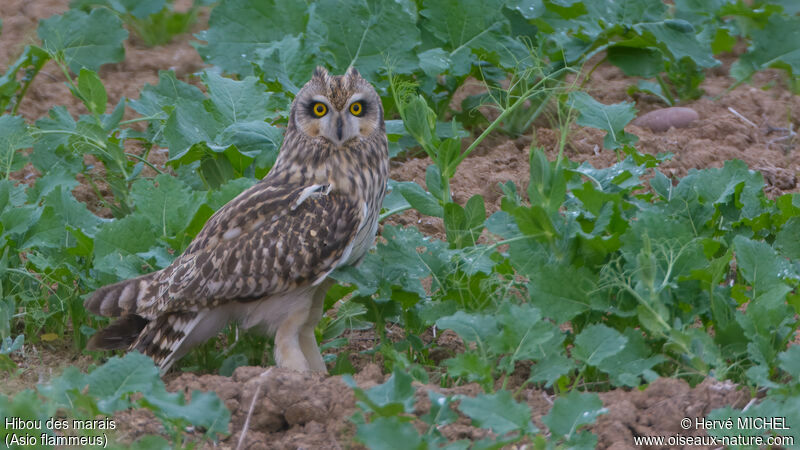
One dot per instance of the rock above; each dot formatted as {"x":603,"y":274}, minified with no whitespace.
{"x":664,"y":119}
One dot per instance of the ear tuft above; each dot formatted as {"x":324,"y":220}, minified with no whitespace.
{"x":352,"y":72}
{"x":320,"y":72}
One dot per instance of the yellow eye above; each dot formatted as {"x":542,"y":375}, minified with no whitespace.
{"x":356,"y":109}
{"x":319,"y":109}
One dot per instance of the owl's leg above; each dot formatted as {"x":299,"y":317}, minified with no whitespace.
{"x":308,"y":342}
{"x":288,"y":352}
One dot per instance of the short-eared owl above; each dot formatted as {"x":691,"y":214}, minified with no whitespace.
{"x":263,"y":259}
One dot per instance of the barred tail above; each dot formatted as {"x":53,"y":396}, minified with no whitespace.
{"x":165,"y":338}
{"x":120,"y":298}
{"x":119,"y":335}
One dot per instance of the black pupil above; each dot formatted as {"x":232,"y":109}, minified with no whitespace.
{"x":319,"y":109}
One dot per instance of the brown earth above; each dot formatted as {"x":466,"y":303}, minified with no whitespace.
{"x":754,"y":122}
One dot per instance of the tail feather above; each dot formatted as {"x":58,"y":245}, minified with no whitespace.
{"x":120,"y":298}
{"x":119,"y":335}
{"x":163,"y":339}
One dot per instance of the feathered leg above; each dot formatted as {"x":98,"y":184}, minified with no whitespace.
{"x":308,"y":342}
{"x":288,"y":352}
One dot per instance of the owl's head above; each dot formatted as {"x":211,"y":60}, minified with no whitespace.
{"x":337,"y":108}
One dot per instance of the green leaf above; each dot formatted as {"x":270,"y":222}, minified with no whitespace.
{"x":206,"y":410}
{"x":391,"y":398}
{"x":237,"y":101}
{"x":112,"y":382}
{"x":419,"y":199}
{"x":237,"y":28}
{"x":611,"y":118}
{"x":290,"y":62}
{"x":84,"y":40}
{"x":470,"y":366}
{"x":551,"y":368}
{"x":463,"y":226}
{"x":597,"y":342}
{"x":397,"y":263}
{"x":760,"y":265}
{"x":634,"y":361}
{"x":166,"y":202}
{"x":465,"y":28}
{"x":92,"y":91}
{"x":786,"y":241}
{"x":571,"y":411}
{"x":790,"y":361}
{"x":440,"y":413}
{"x":776,"y":45}
{"x":51,"y":149}
{"x":562,"y":292}
{"x":367,"y":34}
{"x":471,"y":327}
{"x":13,"y":136}
{"x":523,"y":334}
{"x":498,"y":412}
{"x":61,"y":209}
{"x":679,"y":38}
{"x":636,"y":61}
{"x":390,"y":433}
{"x":137,"y":8}
{"x":123,"y":238}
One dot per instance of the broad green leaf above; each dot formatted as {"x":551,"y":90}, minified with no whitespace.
{"x":636,"y":61}
{"x":127,"y":236}
{"x":625,"y":12}
{"x":419,"y":199}
{"x":440,"y":412}
{"x":51,"y":148}
{"x":137,"y":8}
{"x":390,"y":433}
{"x":498,"y":412}
{"x":391,"y":398}
{"x":167,"y":203}
{"x":572,"y":411}
{"x":237,"y":100}
{"x":206,"y":410}
{"x":464,"y":28}
{"x":92,"y":91}
{"x":551,"y":368}
{"x":597,"y":342}
{"x":679,"y":38}
{"x":84,"y":40}
{"x":115,"y":380}
{"x":471,"y":327}
{"x":634,"y":361}
{"x":562,"y":293}
{"x":470,"y":366}
{"x":611,"y":118}
{"x":238,"y":28}
{"x":760,"y":265}
{"x":61,"y":209}
{"x":463,"y":226}
{"x":524,"y":334}
{"x":776,"y":45}
{"x":786,"y":241}
{"x":369,"y":34}
{"x":398,"y":263}
{"x":289,"y":61}
{"x":790,"y":361}
{"x":14,"y":136}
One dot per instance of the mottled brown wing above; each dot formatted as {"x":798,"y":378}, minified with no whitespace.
{"x":268,"y":240}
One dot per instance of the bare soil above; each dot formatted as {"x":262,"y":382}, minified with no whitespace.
{"x":753,"y":122}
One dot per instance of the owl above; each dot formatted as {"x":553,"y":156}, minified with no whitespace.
{"x":264,"y":258}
